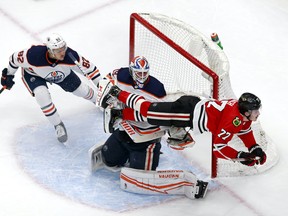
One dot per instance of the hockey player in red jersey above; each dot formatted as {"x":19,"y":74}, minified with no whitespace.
{"x":223,"y":119}
{"x":54,"y":63}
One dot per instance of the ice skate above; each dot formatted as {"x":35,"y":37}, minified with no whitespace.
{"x":61,"y":132}
{"x":202,"y":189}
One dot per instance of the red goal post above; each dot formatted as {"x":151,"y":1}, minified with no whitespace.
{"x":188,"y":62}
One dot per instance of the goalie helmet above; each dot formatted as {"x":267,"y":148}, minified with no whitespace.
{"x":248,"y":101}
{"x":139,"y":70}
{"x":55,"y":41}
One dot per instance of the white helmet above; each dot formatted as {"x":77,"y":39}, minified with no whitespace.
{"x":55,"y":41}
{"x":139,"y":70}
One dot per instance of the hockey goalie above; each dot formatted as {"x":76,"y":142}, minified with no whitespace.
{"x":134,"y":145}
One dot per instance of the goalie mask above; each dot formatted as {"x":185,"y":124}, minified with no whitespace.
{"x":55,"y":44}
{"x":139,"y":70}
{"x":248,"y":102}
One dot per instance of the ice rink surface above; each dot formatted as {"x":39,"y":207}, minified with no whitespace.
{"x":34,"y":167}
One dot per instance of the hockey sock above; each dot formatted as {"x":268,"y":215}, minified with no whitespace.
{"x":132,"y":115}
{"x":135,"y":102}
{"x":48,"y":108}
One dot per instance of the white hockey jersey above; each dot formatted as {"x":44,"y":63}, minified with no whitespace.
{"x":36,"y":61}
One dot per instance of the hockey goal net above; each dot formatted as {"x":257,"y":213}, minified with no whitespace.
{"x":188,"y":62}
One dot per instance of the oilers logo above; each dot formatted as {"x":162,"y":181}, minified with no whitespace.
{"x":55,"y":77}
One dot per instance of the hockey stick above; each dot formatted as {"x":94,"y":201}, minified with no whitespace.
{"x":244,"y":159}
{"x":77,"y":63}
{"x":2,"y":89}
{"x":80,"y":67}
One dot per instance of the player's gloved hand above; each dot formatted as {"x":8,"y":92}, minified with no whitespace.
{"x":258,"y":152}
{"x":7,"y":80}
{"x":249,"y":159}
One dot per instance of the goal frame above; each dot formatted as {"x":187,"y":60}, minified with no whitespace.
{"x":134,"y":17}
{"x":218,"y":79}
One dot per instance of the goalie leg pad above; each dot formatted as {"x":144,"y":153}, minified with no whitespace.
{"x":165,"y":182}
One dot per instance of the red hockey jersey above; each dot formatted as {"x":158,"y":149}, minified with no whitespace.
{"x":223,"y":120}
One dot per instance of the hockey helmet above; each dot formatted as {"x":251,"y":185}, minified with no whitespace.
{"x":55,"y":41}
{"x":139,"y":70}
{"x":248,"y":101}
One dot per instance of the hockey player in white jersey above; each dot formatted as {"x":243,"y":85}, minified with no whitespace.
{"x":55,"y":63}
{"x":134,"y":146}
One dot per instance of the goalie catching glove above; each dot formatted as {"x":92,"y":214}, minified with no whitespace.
{"x":7,"y":80}
{"x":179,"y":138}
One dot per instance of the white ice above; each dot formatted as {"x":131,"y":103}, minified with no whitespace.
{"x":254,"y":36}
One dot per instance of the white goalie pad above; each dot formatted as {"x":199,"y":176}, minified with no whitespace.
{"x":176,"y":182}
{"x":139,"y":136}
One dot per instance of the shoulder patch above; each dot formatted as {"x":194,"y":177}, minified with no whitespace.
{"x":236,"y":121}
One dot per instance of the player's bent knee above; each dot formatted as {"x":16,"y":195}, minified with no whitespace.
{"x":41,"y":91}
{"x":42,"y":95}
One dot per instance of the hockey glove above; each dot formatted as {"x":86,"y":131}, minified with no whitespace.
{"x":258,"y":152}
{"x":248,"y":158}
{"x":7,"y":80}
{"x":179,"y":139}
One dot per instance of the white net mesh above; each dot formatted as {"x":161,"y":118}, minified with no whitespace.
{"x":171,"y":65}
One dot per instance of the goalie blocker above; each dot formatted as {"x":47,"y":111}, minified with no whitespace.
{"x":164,"y":182}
